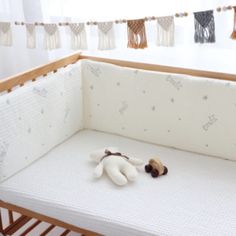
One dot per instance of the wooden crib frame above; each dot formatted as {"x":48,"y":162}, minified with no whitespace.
{"x":8,"y":84}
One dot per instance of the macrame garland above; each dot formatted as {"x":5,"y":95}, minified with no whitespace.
{"x":204,"y":27}
{"x":30,"y":36}
{"x":51,"y":36}
{"x":106,"y":38}
{"x":233,"y":35}
{"x":136,"y":34}
{"x":165,"y":31}
{"x":5,"y":34}
{"x":78,"y":36}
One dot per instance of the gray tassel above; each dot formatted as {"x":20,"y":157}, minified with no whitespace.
{"x":204,"y":27}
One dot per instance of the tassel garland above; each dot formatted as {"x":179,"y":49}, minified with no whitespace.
{"x":51,"y":36}
{"x":30,"y":36}
{"x":204,"y":31}
{"x":106,"y":38}
{"x":5,"y":34}
{"x":204,"y":27}
{"x":78,"y":36}
{"x":233,"y":35}
{"x":165,"y":31}
{"x":136,"y":34}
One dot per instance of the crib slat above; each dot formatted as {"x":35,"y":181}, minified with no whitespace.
{"x":1,"y":224}
{"x":45,"y":232}
{"x":10,"y":216}
{"x":30,"y":228}
{"x":11,"y":229}
{"x":65,"y":232}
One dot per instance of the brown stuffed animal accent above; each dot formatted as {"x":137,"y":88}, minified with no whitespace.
{"x":156,"y":168}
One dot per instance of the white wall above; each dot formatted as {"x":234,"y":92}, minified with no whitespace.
{"x":12,"y":58}
{"x":17,"y":58}
{"x":219,"y":56}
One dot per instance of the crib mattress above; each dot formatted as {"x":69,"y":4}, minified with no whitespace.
{"x":197,"y":197}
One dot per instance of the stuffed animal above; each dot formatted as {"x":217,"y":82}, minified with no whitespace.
{"x":156,"y":168}
{"x":118,"y":167}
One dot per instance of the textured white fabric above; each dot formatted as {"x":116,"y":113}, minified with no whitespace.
{"x":165,"y":31}
{"x":189,"y":113}
{"x":5,"y":34}
{"x":196,"y":197}
{"x":38,"y":116}
{"x":51,"y":37}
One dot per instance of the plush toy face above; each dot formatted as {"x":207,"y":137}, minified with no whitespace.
{"x":119,"y":168}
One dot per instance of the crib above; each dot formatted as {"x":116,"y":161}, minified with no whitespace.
{"x":184,"y":116}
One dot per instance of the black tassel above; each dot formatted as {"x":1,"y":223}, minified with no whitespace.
{"x":204,"y":27}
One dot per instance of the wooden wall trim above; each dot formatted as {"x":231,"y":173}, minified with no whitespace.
{"x":32,"y":74}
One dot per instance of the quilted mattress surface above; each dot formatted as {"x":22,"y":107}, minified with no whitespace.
{"x":196,"y":198}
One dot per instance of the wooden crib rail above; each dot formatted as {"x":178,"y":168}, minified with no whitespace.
{"x":27,"y":215}
{"x":162,"y":68}
{"x":32,"y":74}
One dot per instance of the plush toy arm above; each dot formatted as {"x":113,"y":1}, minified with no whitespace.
{"x":98,"y":170}
{"x":135,"y":161}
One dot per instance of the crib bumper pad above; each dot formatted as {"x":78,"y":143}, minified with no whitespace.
{"x":37,"y":117}
{"x":186,"y":112}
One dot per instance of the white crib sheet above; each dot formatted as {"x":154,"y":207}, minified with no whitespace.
{"x":197,"y":197}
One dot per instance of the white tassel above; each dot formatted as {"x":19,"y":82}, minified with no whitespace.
{"x":30,"y":35}
{"x":78,"y":36}
{"x":165,"y":31}
{"x":106,"y":38}
{"x":51,"y":36}
{"x":5,"y":34}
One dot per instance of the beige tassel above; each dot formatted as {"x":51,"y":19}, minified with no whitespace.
{"x":106,"y":39}
{"x":78,"y":36}
{"x":5,"y":34}
{"x":30,"y":35}
{"x":51,"y":37}
{"x":136,"y":34}
{"x":233,"y":35}
{"x":165,"y":31}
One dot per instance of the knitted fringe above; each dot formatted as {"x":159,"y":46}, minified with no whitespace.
{"x":204,"y":27}
{"x":106,"y":38}
{"x":30,"y":36}
{"x":136,"y":34}
{"x":78,"y":36}
{"x":51,"y":37}
{"x":165,"y":31}
{"x":5,"y":34}
{"x":233,"y":35}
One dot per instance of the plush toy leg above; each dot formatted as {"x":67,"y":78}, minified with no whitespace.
{"x":129,"y":171}
{"x":116,"y":176}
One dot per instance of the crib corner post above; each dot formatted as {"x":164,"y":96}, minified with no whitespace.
{"x":1,"y":224}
